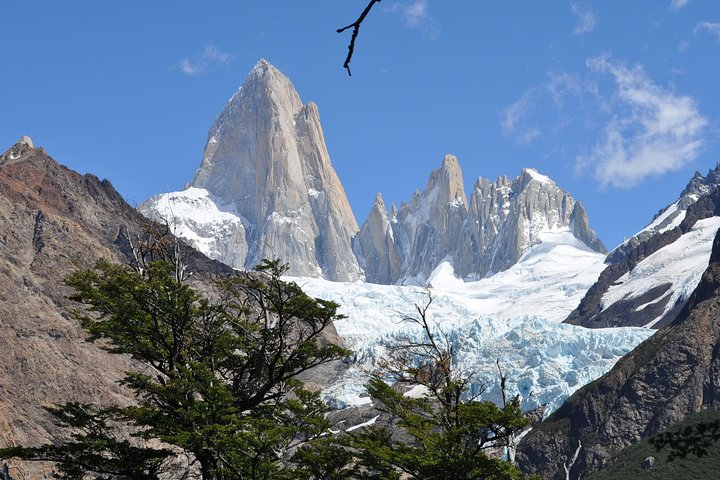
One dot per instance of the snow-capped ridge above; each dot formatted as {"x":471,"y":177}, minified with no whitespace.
{"x":487,"y":232}
{"x":672,"y":215}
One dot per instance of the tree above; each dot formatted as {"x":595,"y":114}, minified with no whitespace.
{"x":438,"y":429}
{"x":219,"y":377}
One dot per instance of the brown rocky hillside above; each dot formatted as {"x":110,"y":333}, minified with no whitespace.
{"x":671,"y":375}
{"x":54,"y":221}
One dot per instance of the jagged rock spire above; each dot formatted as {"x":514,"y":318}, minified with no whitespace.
{"x":266,"y":158}
{"x":487,"y":233}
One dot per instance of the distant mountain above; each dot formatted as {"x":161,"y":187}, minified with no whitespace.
{"x":266,"y":187}
{"x":651,"y":275}
{"x":674,"y":373}
{"x":487,"y":234}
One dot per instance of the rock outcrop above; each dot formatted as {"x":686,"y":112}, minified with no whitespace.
{"x":484,"y":234}
{"x":674,"y":373}
{"x":266,"y":163}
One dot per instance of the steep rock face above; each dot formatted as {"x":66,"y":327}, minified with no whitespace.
{"x":375,"y":246}
{"x":674,"y":373}
{"x":431,"y":227}
{"x":54,"y":221}
{"x":266,"y":161}
{"x":651,"y":275}
{"x":488,"y":234}
{"x":535,"y":204}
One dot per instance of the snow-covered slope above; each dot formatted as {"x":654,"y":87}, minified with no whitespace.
{"x":203,"y":220}
{"x":512,"y":316}
{"x":650,"y":275}
{"x":678,"y":266}
{"x":672,"y":215}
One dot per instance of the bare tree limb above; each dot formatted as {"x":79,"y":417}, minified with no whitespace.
{"x":356,"y":29}
{"x":503,"y":381}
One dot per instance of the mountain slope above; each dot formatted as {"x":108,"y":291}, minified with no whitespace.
{"x":54,"y":221}
{"x":266,"y":164}
{"x":674,"y":373}
{"x":650,"y":276}
{"x":513,"y":316}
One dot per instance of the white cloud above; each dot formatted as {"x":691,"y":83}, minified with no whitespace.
{"x":586,"y":18}
{"x":710,"y":27}
{"x":514,"y":116}
{"x":562,"y":85}
{"x":200,"y":63}
{"x":678,"y":4}
{"x":416,"y":14}
{"x":652,"y":130}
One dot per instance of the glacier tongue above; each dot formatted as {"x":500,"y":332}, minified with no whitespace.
{"x":512,"y":316}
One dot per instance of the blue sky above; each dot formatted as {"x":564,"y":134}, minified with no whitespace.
{"x":615,"y":100}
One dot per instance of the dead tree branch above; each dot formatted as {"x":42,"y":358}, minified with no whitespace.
{"x":356,"y":29}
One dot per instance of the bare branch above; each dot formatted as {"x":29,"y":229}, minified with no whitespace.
{"x":356,"y":29}
{"x":503,"y":381}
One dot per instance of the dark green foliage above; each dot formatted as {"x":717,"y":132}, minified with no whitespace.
{"x":669,"y":465}
{"x":695,"y":439}
{"x":446,"y":440}
{"x":94,"y":450}
{"x":220,"y":376}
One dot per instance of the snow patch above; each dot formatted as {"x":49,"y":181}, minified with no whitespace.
{"x":680,"y":264}
{"x":365,"y":424}
{"x":538,"y":176}
{"x":418,"y":391}
{"x":199,"y":218}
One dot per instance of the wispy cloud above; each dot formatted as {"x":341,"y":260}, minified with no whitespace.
{"x":416,"y":14}
{"x":585,"y":16}
{"x":678,"y":4}
{"x":561,"y":85}
{"x":198,"y":64}
{"x":709,"y":27}
{"x":652,"y":130}
{"x":513,"y":118}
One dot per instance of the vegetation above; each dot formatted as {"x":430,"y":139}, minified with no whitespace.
{"x":438,"y":430}
{"x":220,"y":377}
{"x":218,"y":394}
{"x":670,"y":461}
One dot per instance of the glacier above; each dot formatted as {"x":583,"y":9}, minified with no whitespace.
{"x":513,"y":316}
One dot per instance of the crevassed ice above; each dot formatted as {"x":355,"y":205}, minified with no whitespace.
{"x":512,"y":316}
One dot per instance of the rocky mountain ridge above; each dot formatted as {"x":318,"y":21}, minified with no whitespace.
{"x":674,"y":373}
{"x":483,"y":235}
{"x":266,"y":188}
{"x":651,"y":275}
{"x":54,"y":221}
